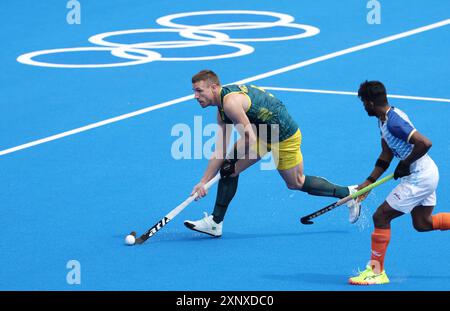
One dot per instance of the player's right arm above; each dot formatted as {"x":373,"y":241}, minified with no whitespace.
{"x":381,"y":165}
{"x":217,"y":158}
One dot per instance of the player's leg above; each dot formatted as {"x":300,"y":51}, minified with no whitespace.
{"x":404,"y":198}
{"x":226,"y":190}
{"x":421,"y":218}
{"x":425,"y":192}
{"x":314,"y":185}
{"x":289,"y":161}
{"x":400,"y":201}
{"x":293,"y":177}
{"x":384,"y":215}
{"x":381,"y":236}
{"x":228,"y":186}
{"x":424,"y":221}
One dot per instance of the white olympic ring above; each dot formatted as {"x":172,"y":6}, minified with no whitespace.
{"x":201,"y":35}
{"x":122,"y":49}
{"x":243,"y":50}
{"x":28,"y":58}
{"x":99,"y":39}
{"x":283,"y":20}
{"x":309,"y":32}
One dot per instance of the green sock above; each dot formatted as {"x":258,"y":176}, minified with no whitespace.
{"x":321,"y":187}
{"x":225,"y":192}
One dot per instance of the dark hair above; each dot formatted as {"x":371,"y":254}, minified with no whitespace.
{"x":373,"y":91}
{"x":206,"y":75}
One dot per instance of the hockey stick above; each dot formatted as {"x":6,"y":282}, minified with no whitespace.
{"x":307,"y":219}
{"x":171,"y":215}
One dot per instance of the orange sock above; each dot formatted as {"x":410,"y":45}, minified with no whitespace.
{"x":441,"y":221}
{"x":380,"y":241}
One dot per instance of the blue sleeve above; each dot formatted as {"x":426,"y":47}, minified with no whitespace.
{"x":399,"y":127}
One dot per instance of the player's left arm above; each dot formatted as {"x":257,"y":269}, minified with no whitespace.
{"x":233,"y":106}
{"x":421,"y":146}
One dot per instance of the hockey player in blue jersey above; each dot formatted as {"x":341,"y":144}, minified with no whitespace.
{"x":418,"y":175}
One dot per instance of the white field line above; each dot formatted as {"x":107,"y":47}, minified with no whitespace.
{"x":95,"y":125}
{"x":247,"y":80}
{"x":286,"y":89}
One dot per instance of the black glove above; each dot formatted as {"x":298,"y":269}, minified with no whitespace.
{"x":228,"y":168}
{"x":401,"y":170}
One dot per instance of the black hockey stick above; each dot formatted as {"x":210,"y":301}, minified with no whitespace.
{"x":307,"y":219}
{"x":171,"y":215}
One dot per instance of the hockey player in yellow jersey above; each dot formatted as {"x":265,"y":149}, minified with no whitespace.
{"x":249,"y":108}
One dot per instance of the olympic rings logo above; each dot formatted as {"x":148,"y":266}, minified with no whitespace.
{"x":197,"y":35}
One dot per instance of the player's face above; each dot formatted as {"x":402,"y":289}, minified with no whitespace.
{"x":204,"y":93}
{"x":369,"y":107}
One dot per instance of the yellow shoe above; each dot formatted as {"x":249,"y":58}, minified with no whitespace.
{"x":368,"y":277}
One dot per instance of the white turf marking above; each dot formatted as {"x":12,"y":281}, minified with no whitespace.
{"x":97,"y":124}
{"x":273,"y":88}
{"x":247,"y":80}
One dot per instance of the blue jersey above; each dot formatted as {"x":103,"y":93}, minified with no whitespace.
{"x":396,"y":131}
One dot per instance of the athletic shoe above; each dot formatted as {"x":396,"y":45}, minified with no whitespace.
{"x":354,"y":207}
{"x":368,"y":277}
{"x":205,"y":225}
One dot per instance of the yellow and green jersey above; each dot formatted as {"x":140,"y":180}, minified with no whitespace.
{"x":264,"y":109}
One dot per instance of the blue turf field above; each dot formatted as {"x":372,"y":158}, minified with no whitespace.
{"x":76,"y":197}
